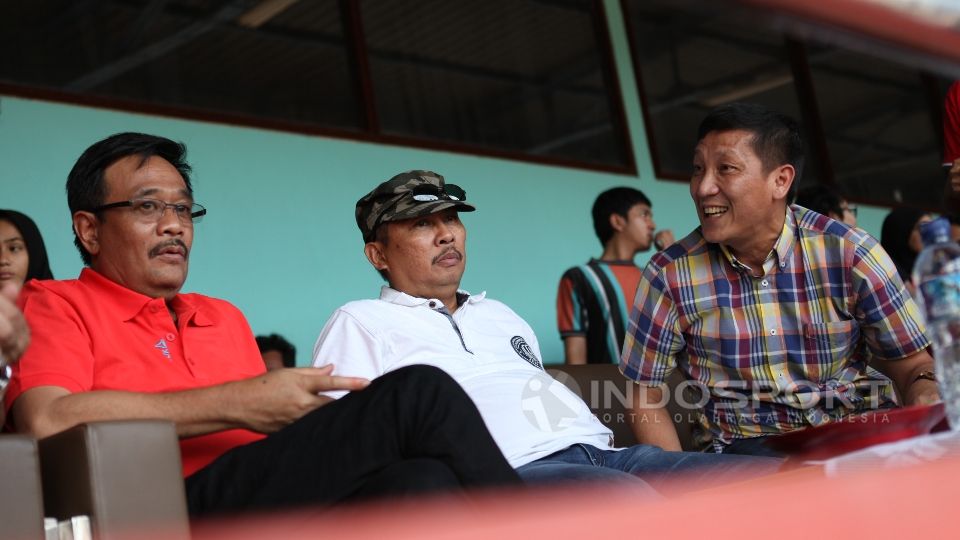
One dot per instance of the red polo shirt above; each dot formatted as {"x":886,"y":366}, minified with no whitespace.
{"x":94,"y":334}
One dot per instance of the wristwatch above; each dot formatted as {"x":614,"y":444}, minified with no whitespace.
{"x":928,"y":375}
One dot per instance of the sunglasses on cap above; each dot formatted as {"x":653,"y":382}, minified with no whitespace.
{"x":431,"y":192}
{"x":423,"y":193}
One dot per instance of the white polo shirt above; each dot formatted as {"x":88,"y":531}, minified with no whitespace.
{"x":484,"y":346}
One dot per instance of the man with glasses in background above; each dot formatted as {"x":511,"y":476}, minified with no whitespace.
{"x":122,"y":342}
{"x":828,"y":202}
{"x":594,"y":299}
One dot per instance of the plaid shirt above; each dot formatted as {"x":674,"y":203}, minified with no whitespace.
{"x":782,"y":351}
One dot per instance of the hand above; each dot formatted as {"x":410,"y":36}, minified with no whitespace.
{"x":277,"y":398}
{"x":14,"y":332}
{"x":954,"y":177}
{"x":663,"y":238}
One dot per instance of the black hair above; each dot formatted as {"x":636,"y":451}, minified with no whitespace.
{"x":86,"y":187}
{"x":822,"y":199}
{"x":38,"y":266}
{"x":276,"y":342}
{"x":776,"y":137}
{"x":619,"y":201}
{"x":895,"y":238}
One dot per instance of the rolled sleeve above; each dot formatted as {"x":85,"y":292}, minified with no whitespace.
{"x":890,"y":320}
{"x":653,"y":337}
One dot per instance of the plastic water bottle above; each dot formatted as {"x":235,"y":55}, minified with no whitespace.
{"x":937,"y":276}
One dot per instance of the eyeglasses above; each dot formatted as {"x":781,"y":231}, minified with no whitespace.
{"x":430,"y":192}
{"x":153,"y":209}
{"x":852,"y":208}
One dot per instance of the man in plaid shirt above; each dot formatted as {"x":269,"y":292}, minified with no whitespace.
{"x":781,"y":315}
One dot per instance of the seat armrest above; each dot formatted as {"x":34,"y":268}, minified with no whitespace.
{"x":21,"y":503}
{"x":125,"y":475}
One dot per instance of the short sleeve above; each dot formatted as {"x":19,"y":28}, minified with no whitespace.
{"x":352,"y":349}
{"x":60,"y":352}
{"x":569,"y":306}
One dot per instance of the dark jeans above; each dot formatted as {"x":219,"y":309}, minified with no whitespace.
{"x":642,"y":466}
{"x":412,"y":430}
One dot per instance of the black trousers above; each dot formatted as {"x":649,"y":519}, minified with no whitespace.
{"x":412,"y":430}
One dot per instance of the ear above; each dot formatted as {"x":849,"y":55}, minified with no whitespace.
{"x":783,"y":179}
{"x":87,"y":228}
{"x":617,"y":222}
{"x":374,"y":252}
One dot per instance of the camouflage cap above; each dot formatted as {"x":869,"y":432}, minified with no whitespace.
{"x":407,"y":195}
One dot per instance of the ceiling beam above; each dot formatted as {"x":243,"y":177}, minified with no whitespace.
{"x":154,"y":50}
{"x":139,"y":27}
{"x":263,"y":12}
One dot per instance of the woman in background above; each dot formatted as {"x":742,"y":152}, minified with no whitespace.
{"x":23,"y":255}
{"x":900,"y":238}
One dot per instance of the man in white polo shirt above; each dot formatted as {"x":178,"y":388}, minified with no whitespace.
{"x":415,"y":239}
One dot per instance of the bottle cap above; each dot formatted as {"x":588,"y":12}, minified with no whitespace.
{"x":935,"y":232}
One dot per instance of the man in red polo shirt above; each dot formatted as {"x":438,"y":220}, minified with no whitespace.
{"x":122,"y":342}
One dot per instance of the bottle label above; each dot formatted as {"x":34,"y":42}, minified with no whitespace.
{"x":941,"y":296}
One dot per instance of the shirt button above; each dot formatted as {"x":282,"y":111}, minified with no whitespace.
{"x":764,"y":283}
{"x":782,"y":264}
{"x":773,"y":332}
{"x":432,"y":304}
{"x":171,"y":337}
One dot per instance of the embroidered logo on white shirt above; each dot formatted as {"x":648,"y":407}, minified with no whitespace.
{"x":520,"y":346}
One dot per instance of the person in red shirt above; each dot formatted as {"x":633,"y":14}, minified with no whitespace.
{"x":122,"y":342}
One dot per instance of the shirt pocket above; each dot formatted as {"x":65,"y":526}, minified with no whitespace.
{"x":828,"y":348}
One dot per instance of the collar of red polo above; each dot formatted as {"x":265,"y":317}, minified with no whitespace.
{"x":131,"y":303}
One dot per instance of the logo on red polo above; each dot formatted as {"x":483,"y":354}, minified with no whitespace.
{"x":162,"y":345}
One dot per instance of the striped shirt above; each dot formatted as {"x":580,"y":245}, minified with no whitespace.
{"x":782,"y":351}
{"x":593,"y":300}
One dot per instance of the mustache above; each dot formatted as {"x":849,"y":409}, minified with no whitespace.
{"x":156,"y":250}
{"x":448,"y":250}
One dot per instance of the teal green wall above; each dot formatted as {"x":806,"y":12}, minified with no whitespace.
{"x":280,"y":241}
